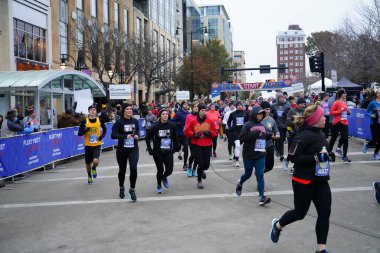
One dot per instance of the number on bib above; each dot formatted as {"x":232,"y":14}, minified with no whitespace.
{"x":260,"y":145}
{"x":129,"y":142}
{"x":93,"y":138}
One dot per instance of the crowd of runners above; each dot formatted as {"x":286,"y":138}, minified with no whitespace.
{"x":257,"y":129}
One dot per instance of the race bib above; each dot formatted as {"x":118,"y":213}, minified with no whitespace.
{"x":327,"y":111}
{"x":280,"y":113}
{"x":240,"y":121}
{"x":260,"y":145}
{"x":129,"y":128}
{"x":343,"y":115}
{"x":166,"y":143}
{"x":322,"y":169}
{"x":148,"y":124}
{"x":129,"y":142}
{"x":93,"y":138}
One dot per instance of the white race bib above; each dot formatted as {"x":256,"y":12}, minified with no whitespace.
{"x":260,"y":145}
{"x":93,"y":138}
{"x":166,"y":143}
{"x":343,"y":115}
{"x":240,"y":121}
{"x":280,"y":113}
{"x":327,"y":111}
{"x":129,"y":142}
{"x":129,"y":128}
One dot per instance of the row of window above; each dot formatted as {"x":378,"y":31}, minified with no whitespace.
{"x":292,"y":63}
{"x":29,"y":41}
{"x":294,"y":70}
{"x":292,"y":51}
{"x":287,"y":58}
{"x":291,"y":39}
{"x":296,"y":45}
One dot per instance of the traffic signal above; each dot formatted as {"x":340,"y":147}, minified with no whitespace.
{"x":316,"y":64}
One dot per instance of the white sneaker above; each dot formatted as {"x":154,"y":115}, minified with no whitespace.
{"x":285,"y":164}
{"x":237,"y":164}
{"x":291,"y":171}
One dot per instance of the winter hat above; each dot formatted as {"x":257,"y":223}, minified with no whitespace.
{"x":265,"y":104}
{"x":201,"y":106}
{"x":182,"y":103}
{"x":10,"y":114}
{"x":279,"y":95}
{"x":301,"y":101}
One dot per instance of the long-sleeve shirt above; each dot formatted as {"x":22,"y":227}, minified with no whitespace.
{"x":124,"y":127}
{"x":340,"y":111}
{"x":163,"y":136}
{"x":82,"y":128}
{"x":227,"y":116}
{"x":373,"y":107}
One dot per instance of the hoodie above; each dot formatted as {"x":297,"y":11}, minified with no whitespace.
{"x":254,"y":136}
{"x":179,"y":121}
{"x":279,"y":113}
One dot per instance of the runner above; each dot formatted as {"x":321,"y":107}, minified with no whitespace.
{"x":214,"y":116}
{"x":125,"y":131}
{"x":271,"y":127}
{"x":192,"y":170}
{"x":94,"y":131}
{"x":179,"y":122}
{"x":230,"y":139}
{"x":373,"y":111}
{"x":325,"y":106}
{"x":163,"y":135}
{"x":201,"y":130}
{"x":150,"y":119}
{"x":340,"y":124}
{"x":310,"y":176}
{"x":235,"y":123}
{"x":254,"y":136}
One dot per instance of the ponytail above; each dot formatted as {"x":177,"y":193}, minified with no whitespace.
{"x":299,"y":120}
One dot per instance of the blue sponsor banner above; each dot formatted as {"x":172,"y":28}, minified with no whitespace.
{"x":359,"y":124}
{"x":27,"y":152}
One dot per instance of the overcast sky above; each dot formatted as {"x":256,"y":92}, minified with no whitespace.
{"x":255,"y":24}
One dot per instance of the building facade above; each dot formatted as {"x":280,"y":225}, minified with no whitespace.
{"x":217,"y":21}
{"x":291,"y":52}
{"x":239,"y":60}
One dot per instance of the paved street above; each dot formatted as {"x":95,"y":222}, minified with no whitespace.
{"x":56,"y":211}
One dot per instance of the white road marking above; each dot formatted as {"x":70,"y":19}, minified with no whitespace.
{"x":174,"y":173}
{"x":167,"y":198}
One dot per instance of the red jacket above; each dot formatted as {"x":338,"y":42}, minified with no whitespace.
{"x":195,"y":127}
{"x":214,"y":116}
{"x":336,"y":111}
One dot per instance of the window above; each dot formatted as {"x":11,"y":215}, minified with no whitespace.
{"x":281,"y":51}
{"x":281,"y":46}
{"x":297,"y":70}
{"x":285,"y":51}
{"x":296,"y":64}
{"x":290,"y":51}
{"x":291,"y":63}
{"x":116,"y":16}
{"x":63,"y":25}
{"x":290,"y":45}
{"x":162,"y":43}
{"x":30,"y":41}
{"x":93,"y":8}
{"x":296,"y":51}
{"x":281,"y":58}
{"x":212,"y":10}
{"x":301,"y":57}
{"x":79,"y":4}
{"x":301,"y":70}
{"x":285,"y":58}
{"x":301,"y":64}
{"x":138,"y":29}
{"x":301,"y":51}
{"x":296,"y":45}
{"x":296,"y":57}
{"x":105,"y":11}
{"x":286,"y":46}
{"x":291,"y":57}
{"x":126,"y":22}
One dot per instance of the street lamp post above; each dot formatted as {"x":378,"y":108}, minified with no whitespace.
{"x":63,"y":65}
{"x":204,"y":28}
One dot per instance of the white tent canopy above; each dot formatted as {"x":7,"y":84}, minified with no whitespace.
{"x":317,"y":86}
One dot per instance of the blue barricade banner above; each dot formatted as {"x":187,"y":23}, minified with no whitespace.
{"x":27,"y":152}
{"x":359,"y":124}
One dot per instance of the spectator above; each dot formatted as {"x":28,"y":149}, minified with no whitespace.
{"x":15,"y":126}
{"x":104,"y":116}
{"x":68,"y":119}
{"x":32,"y":118}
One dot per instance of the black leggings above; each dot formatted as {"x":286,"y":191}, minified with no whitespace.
{"x":163,"y":159}
{"x":185,"y":143}
{"x":214,"y":143}
{"x":202,"y":156}
{"x":191,"y":160}
{"x":280,"y":142}
{"x":319,"y":192}
{"x":376,"y":137}
{"x":122,"y":155}
{"x":343,"y":130}
{"x":269,"y":159}
{"x":231,"y":143}
{"x":327,"y":126}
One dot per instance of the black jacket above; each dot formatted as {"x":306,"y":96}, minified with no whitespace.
{"x":122,"y":128}
{"x":161,"y":131}
{"x":235,"y":122}
{"x":307,"y":143}
{"x":252,"y":133}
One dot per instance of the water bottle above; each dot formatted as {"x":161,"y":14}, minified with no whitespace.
{"x":323,"y":153}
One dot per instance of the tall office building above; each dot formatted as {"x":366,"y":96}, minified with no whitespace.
{"x":291,"y":52}
{"x":217,"y":21}
{"x":239,"y":60}
{"x":191,"y":30}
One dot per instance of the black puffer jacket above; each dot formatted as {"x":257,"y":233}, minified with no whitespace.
{"x":308,"y":142}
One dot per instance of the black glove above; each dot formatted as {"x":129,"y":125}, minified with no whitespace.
{"x":196,"y":135}
{"x":332,"y":157}
{"x":325,"y":157}
{"x":207,"y":133}
{"x":100,"y":138}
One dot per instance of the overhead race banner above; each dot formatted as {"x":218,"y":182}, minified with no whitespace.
{"x":120,"y":91}
{"x":217,"y":88}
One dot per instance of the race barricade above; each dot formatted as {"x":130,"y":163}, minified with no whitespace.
{"x":359,"y":124}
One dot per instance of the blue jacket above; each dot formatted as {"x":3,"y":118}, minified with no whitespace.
{"x":179,"y":121}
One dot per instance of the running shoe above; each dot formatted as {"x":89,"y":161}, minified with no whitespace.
{"x":237,"y":164}
{"x":132,"y":195}
{"x":203,"y":175}
{"x":230,"y":158}
{"x":376,"y":157}
{"x":376,"y":187}
{"x":214,"y":154}
{"x":365,"y":147}
{"x":184,"y":168}
{"x":274,"y":233}
{"x":158,"y":190}
{"x":94,"y":174}
{"x":200,"y":185}
{"x":121,"y":193}
{"x":225,"y":139}
{"x":285,"y":164}
{"x":291,"y":171}
{"x":166,"y":182}
{"x":281,"y":158}
{"x":339,"y":151}
{"x":189,"y":172}
{"x":239,"y":188}
{"x":179,"y":157}
{"x":195,"y":173}
{"x":346,"y":159}
{"x":89,"y":180}
{"x":264,"y":200}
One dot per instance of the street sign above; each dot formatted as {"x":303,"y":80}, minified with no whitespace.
{"x":264,"y":69}
{"x":183,"y":95}
{"x":120,"y":91}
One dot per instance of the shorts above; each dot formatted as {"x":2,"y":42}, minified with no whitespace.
{"x":91,"y":153}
